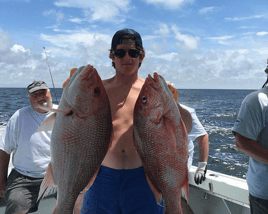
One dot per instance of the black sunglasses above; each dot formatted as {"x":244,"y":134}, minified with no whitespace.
{"x":120,"y":53}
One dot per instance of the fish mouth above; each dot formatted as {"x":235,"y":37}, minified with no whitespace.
{"x":85,"y":72}
{"x":88,"y":72}
{"x":85,"y":83}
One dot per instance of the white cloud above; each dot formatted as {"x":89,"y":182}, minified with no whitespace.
{"x":244,"y":18}
{"x":263,"y":33}
{"x":163,"y":30}
{"x":58,"y":15}
{"x":101,"y":10}
{"x":5,"y":42}
{"x":76,"y":20}
{"x":185,"y":41}
{"x":170,"y":4}
{"x":220,"y":38}
{"x":73,"y":38}
{"x":206,"y":10}
{"x":18,"y":48}
{"x":247,"y":27}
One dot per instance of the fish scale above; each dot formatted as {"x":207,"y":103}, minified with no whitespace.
{"x":161,"y":141}
{"x":80,"y":138}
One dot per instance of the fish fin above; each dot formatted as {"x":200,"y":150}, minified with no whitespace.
{"x":48,"y":123}
{"x":157,"y":194}
{"x":48,"y":186}
{"x":55,"y":110}
{"x":91,"y":181}
{"x":185,"y":189}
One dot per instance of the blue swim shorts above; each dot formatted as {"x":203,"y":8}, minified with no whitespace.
{"x":120,"y":191}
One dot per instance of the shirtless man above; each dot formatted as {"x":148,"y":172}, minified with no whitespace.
{"x":121,"y":186}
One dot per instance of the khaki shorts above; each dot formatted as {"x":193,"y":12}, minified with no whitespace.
{"x":21,"y":193}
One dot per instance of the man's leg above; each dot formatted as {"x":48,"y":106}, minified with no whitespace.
{"x":21,"y":193}
{"x":102,"y":196}
{"x":257,"y":205}
{"x":136,"y":195}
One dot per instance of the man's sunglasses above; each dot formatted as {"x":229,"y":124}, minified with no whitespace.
{"x":120,"y":53}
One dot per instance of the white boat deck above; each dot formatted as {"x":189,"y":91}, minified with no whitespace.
{"x":218,"y":194}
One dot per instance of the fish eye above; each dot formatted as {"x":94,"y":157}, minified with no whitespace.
{"x":144,"y":99}
{"x":97,"y":90}
{"x":70,"y":113}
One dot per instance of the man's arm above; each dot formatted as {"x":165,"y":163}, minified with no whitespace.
{"x":186,"y":117}
{"x":203,"y":147}
{"x":252,"y":148}
{"x":4,"y":157}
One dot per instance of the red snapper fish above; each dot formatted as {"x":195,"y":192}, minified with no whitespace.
{"x":161,"y":142}
{"x":82,"y":129}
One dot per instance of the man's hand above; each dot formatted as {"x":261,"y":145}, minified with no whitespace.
{"x":200,"y":174}
{"x":4,"y":161}
{"x":2,"y":189}
{"x":73,"y":70}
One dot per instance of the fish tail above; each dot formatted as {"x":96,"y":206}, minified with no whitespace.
{"x":48,"y":186}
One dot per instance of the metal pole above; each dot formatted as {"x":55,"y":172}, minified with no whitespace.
{"x":51,"y":76}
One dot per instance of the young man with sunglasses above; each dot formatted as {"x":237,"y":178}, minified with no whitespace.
{"x":121,"y":185}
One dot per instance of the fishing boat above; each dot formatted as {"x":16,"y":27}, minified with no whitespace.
{"x":218,"y":194}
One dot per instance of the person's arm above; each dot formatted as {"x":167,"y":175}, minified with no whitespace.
{"x":252,"y":148}
{"x":203,"y":148}
{"x":4,"y":157}
{"x":186,"y":117}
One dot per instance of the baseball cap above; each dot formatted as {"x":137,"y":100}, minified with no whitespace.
{"x":117,"y":38}
{"x":36,"y":85}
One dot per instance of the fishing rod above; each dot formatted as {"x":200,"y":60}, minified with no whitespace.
{"x":51,"y":76}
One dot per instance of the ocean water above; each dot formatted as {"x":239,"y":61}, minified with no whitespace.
{"x":216,"y":109}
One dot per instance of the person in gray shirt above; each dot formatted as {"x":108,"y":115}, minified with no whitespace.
{"x":251,"y":132}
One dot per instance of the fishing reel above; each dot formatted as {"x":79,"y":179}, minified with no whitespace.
{"x":266,"y":70}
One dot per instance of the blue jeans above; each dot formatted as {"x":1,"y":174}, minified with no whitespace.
{"x":120,"y":191}
{"x":258,"y":205}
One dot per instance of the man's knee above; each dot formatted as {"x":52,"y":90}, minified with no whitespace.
{"x":15,"y":203}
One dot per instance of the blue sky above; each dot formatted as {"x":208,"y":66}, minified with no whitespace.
{"x":195,"y":44}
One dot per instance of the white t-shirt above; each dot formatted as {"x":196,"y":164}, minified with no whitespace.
{"x":197,"y":131}
{"x":252,"y":123}
{"x":31,"y":149}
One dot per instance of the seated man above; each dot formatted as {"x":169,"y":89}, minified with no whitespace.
{"x":31,"y":152}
